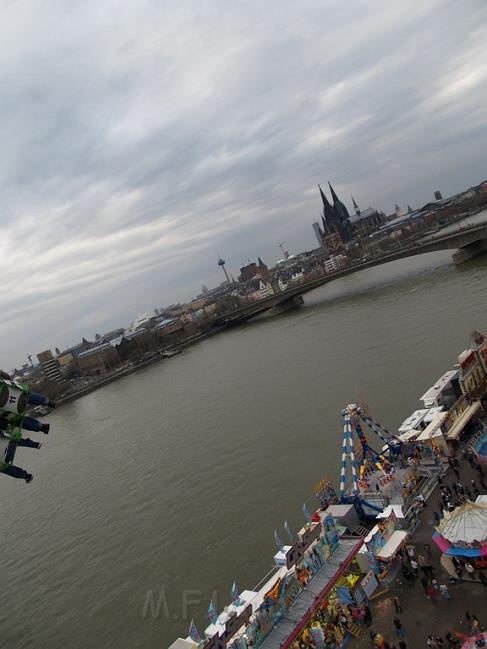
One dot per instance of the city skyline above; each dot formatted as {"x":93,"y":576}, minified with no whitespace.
{"x":135,"y":151}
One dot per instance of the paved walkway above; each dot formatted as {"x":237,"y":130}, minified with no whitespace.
{"x":420,"y":617}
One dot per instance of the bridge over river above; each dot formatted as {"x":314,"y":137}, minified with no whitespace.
{"x":467,"y":242}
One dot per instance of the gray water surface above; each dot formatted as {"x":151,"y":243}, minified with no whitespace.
{"x":174,"y":478}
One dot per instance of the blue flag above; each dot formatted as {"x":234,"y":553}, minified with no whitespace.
{"x":234,"y":593}
{"x":212,"y":614}
{"x":193,"y":633}
{"x":307,"y":513}
{"x":279,"y":543}
{"x":288,"y":531}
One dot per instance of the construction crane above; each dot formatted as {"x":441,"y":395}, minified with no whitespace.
{"x":285,"y":253}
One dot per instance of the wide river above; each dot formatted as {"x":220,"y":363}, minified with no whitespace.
{"x":166,"y":486}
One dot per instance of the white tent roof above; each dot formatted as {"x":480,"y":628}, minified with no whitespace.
{"x":396,"y":509}
{"x":465,"y":524}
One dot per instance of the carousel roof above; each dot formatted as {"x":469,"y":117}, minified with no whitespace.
{"x":465,"y":524}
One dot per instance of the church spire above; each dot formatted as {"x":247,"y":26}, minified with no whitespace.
{"x":328,"y":211}
{"x":336,"y":200}
{"x":326,"y":204}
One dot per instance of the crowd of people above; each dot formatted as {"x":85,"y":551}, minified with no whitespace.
{"x":417,"y":567}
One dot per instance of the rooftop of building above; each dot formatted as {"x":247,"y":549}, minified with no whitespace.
{"x":364,"y":214}
{"x":432,"y":394}
{"x":95,"y":350}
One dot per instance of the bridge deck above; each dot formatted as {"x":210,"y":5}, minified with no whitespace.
{"x":452,"y":241}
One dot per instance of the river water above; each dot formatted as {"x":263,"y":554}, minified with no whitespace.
{"x":169,"y":483}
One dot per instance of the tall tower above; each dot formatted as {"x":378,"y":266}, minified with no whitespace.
{"x":343,"y":217}
{"x":221,"y":262}
{"x":328,"y":211}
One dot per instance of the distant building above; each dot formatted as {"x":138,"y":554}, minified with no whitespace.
{"x":472,"y":376}
{"x":337,"y":228}
{"x":438,"y":196}
{"x":365,"y":222}
{"x":98,"y":360}
{"x":111,"y":335}
{"x":318,"y":234}
{"x":77,"y":349}
{"x":260,"y":289}
{"x":68,"y":364}
{"x":140,"y":321}
{"x":50,"y":366}
{"x":340,"y":228}
{"x":253,"y":270}
{"x":335,"y":263}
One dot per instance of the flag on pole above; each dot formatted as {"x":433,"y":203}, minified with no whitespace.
{"x":307,"y":513}
{"x":193,"y":633}
{"x":212,"y":614}
{"x":288,"y":531}
{"x":236,"y":601}
{"x":279,"y":543}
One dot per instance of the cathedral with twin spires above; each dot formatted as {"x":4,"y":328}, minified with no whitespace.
{"x":338,"y":228}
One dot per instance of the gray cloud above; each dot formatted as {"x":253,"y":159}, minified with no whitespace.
{"x":141,"y":140}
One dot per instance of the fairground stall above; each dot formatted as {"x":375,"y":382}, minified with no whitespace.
{"x":381,"y":546}
{"x":314,"y":574}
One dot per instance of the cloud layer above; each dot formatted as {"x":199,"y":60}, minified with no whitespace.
{"x":142,"y":139}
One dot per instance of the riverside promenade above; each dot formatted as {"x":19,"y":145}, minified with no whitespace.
{"x":420,"y":617}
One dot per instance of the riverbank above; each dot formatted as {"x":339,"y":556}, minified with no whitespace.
{"x":129,"y":472}
{"x":114,"y":376}
{"x":119,"y":374}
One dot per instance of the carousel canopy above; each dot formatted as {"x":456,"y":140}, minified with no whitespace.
{"x":465,"y":524}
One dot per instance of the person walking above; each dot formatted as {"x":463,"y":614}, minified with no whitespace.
{"x":443,"y":588}
{"x":431,"y":641}
{"x":367,"y":615}
{"x":470,"y":569}
{"x":379,"y":641}
{"x":414,"y":566}
{"x":399,"y":627}
{"x":427,"y":549}
{"x":431,"y":594}
{"x":397,"y":604}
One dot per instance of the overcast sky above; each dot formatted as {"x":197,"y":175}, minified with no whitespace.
{"x":141,"y":139}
